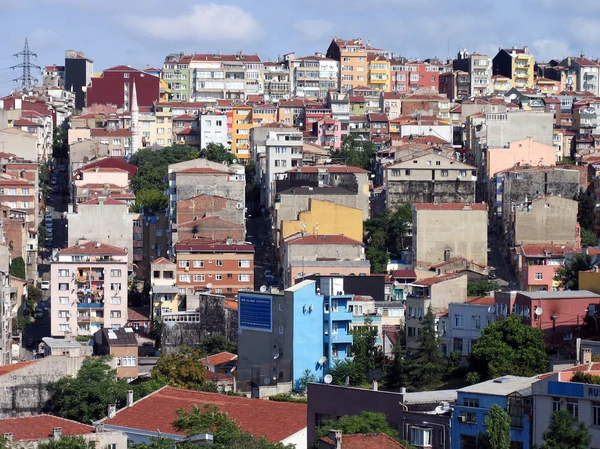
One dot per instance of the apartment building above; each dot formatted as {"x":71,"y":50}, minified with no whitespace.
{"x":6,"y":307}
{"x":240,"y":131}
{"x":114,"y":86}
{"x":213,"y":129}
{"x":312,"y":77}
{"x":88,"y":289}
{"x":122,"y":345}
{"x":163,"y":292}
{"x":517,"y":64}
{"x":118,"y":141}
{"x":586,"y":74}
{"x":407,"y":76}
{"x":353,"y":64}
{"x":378,"y":72}
{"x":479,"y":70}
{"x":276,"y":81}
{"x":176,"y":73}
{"x":223,"y":267}
{"x":20,"y":194}
{"x":283,"y":151}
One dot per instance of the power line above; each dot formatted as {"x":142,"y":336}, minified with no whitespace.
{"x":27,"y":80}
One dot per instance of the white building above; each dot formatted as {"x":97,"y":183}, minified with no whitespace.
{"x":213,"y":129}
{"x":283,"y":152}
{"x":88,"y":289}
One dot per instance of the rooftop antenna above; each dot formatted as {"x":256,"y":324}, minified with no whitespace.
{"x":27,"y":80}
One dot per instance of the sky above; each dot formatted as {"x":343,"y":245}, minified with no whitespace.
{"x":141,"y":32}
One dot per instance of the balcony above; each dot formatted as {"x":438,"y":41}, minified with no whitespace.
{"x":341,"y":337}
{"x":329,"y":130}
{"x":90,"y":305}
{"x":341,"y":316}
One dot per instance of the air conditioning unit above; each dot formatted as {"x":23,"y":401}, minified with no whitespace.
{"x":239,"y":205}
{"x":462,"y":419}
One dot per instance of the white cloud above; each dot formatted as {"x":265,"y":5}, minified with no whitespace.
{"x":315,"y":30}
{"x":547,"y":49}
{"x":203,"y":23}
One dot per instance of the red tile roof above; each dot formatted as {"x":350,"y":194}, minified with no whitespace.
{"x":15,"y":366}
{"x":231,"y":304}
{"x":480,"y":300}
{"x":40,"y":427}
{"x":138,"y":314}
{"x":217,"y":377}
{"x":228,"y":58}
{"x":437,"y":279}
{"x":585,"y":62}
{"x":325,"y":240}
{"x":24,"y":122}
{"x":219,"y":359}
{"x":365,"y":441}
{"x":456,"y":259}
{"x":207,"y":245}
{"x":253,"y":415}
{"x":107,"y":202}
{"x":373,"y":117}
{"x":101,"y":132}
{"x":188,"y":132}
{"x":544,"y":249}
{"x":202,"y":170}
{"x":94,"y":248}
{"x":110,"y":162}
{"x":404,"y":274}
{"x":450,"y":206}
{"x":329,"y":168}
{"x":162,"y":261}
{"x":185,"y":118}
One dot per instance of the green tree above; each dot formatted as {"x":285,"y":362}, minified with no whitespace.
{"x":366,"y":422}
{"x":306,"y":378}
{"x":376,"y":252}
{"x":218,"y":343}
{"x":482,"y":287}
{"x":17,"y":268}
{"x":396,"y":373}
{"x":567,"y":274}
{"x":156,"y":330}
{"x":356,"y":153}
{"x":508,"y":347}
{"x":564,"y":432}
{"x":216,"y":152}
{"x":151,"y":200}
{"x":225,"y":431}
{"x":347,"y":368}
{"x":66,"y":442}
{"x":34,"y":293}
{"x":394,"y":225}
{"x":427,"y":366}
{"x":586,"y":215}
{"x":364,"y":349}
{"x":85,"y":398}
{"x":497,"y":430}
{"x":182,"y":369}
{"x":588,"y":238}
{"x":42,"y":235}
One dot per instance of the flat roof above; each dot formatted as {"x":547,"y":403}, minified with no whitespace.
{"x":429,"y":397}
{"x":565,"y":294}
{"x":61,"y":342}
{"x":501,"y":386}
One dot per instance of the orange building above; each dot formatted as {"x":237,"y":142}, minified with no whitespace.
{"x":352,"y":57}
{"x":241,"y":125}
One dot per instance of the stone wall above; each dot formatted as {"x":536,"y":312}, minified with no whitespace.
{"x":402,"y":192}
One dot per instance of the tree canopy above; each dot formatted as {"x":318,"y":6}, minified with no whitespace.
{"x":17,"y":268}
{"x":564,"y":432}
{"x":182,"y":369}
{"x":396,"y":372}
{"x":427,"y":364}
{"x":586,"y":215}
{"x":216,"y":152}
{"x":152,"y":200}
{"x":218,"y":343}
{"x":588,"y":237}
{"x":366,"y":422}
{"x":497,"y":430}
{"x":384,"y":236}
{"x":508,"y":347}
{"x":482,"y":287}
{"x":356,"y":153}
{"x":567,"y":274}
{"x":66,"y":442}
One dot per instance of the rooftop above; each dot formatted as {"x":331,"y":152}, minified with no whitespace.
{"x":253,"y":415}
{"x":501,"y":386}
{"x":6,"y":369}
{"x":327,"y":168}
{"x":545,"y":249}
{"x":40,"y":427}
{"x":437,"y":279}
{"x":119,"y":337}
{"x":480,"y":300}
{"x":93,"y":248}
{"x":220,"y":358}
{"x":207,"y":245}
{"x":404,"y":274}
{"x":324,"y":240}
{"x":565,"y":294}
{"x":60,"y":343}
{"x":365,"y":441}
{"x":450,"y":206}
{"x":110,"y":162}
{"x":138,"y":313}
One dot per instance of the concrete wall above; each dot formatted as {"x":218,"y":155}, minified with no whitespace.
{"x":19,"y":143}
{"x":520,"y":125}
{"x":24,"y":391}
{"x":526,"y":151}
{"x":84,"y":151}
{"x":90,"y":223}
{"x":462,"y":232}
{"x":549,"y":219}
{"x":209,"y":206}
{"x":77,"y":134}
{"x":291,"y":204}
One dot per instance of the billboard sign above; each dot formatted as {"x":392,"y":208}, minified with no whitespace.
{"x":255,"y":312}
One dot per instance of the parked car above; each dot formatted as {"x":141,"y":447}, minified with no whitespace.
{"x":45,"y":285}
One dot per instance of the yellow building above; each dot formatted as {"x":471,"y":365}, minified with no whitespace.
{"x":263,"y":114}
{"x":590,"y":280}
{"x":379,"y":72}
{"x":240,"y":131}
{"x":164,"y":292}
{"x":352,"y":57}
{"x":326,"y":218}
{"x":517,"y":64}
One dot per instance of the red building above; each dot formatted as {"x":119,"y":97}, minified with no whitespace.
{"x":560,"y":315}
{"x":410,"y":75}
{"x":115,"y":87}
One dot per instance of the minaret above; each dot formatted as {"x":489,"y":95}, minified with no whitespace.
{"x":135,"y":130}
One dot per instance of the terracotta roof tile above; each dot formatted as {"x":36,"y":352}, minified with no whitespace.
{"x":404,"y":274}
{"x":41,"y":426}
{"x":110,"y":162}
{"x":138,"y":314}
{"x":480,"y":300}
{"x":15,"y":366}
{"x":544,"y":249}
{"x":219,"y":359}
{"x":24,"y":122}
{"x":162,"y":261}
{"x":251,"y":414}
{"x":208,"y":245}
{"x":101,"y":132}
{"x":329,"y":168}
{"x":94,"y":248}
{"x":202,"y":170}
{"x":437,"y":279}
{"x":366,"y":441}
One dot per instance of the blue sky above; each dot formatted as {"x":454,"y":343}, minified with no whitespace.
{"x":142,"y":32}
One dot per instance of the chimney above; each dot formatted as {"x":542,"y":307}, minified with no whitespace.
{"x":374,"y":385}
{"x":402,"y":390}
{"x":99,"y":427}
{"x":347,"y":381}
{"x":526,"y":49}
{"x":57,"y":433}
{"x":112,"y":410}
{"x":336,"y":437}
{"x":129,"y":398}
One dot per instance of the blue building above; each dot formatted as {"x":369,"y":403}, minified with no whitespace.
{"x":512,"y":393}
{"x":282,"y":335}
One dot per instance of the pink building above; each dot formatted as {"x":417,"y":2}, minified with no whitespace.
{"x":537,"y":264}
{"x":329,"y":133}
{"x":524,"y":152}
{"x":88,"y":289}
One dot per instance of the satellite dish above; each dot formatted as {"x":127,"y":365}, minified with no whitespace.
{"x":263,"y":288}
{"x":209,"y":285}
{"x":267,"y":380}
{"x":322,"y":360}
{"x":513,"y":96}
{"x":328,"y":379}
{"x":491,"y":309}
{"x":539,"y":311}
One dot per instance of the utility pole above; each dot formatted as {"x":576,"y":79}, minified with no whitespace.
{"x":27,"y":80}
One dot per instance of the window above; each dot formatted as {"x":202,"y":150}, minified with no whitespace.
{"x":407,"y":172}
{"x":199,"y":278}
{"x":125,"y":75}
{"x":167,"y":275}
{"x":184,"y":264}
{"x":115,"y":286}
{"x":334,"y":305}
{"x":476,"y":322}
{"x":444,"y":173}
{"x":243,"y":278}
{"x":116,"y":300}
{"x":414,"y":77}
{"x":25,"y":191}
{"x":468,"y":442}
{"x":218,"y":290}
{"x":458,"y":345}
{"x":184,"y":278}
{"x":198,"y":264}
{"x":218,"y":277}
{"x":596,"y":413}
{"x":219,"y":263}
{"x":555,"y":404}
{"x":63,"y":273}
{"x":116,"y":142}
{"x":63,"y":287}
{"x":63,"y":300}
{"x":115,"y":273}
{"x":334,"y":327}
{"x":326,"y":308}
{"x":471,"y":402}
{"x":462,"y":173}
{"x":243,"y":264}
{"x":63,"y":314}
{"x":538,"y":276}
{"x":64,"y":328}
{"x":129,"y":361}
{"x":458,"y":320}
{"x":420,"y":436}
{"x":573,"y":408}
{"x":12,"y":191}
{"x":470,"y":417}
{"x":115,"y":314}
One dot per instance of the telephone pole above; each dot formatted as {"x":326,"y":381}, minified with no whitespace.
{"x":27,"y":80}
